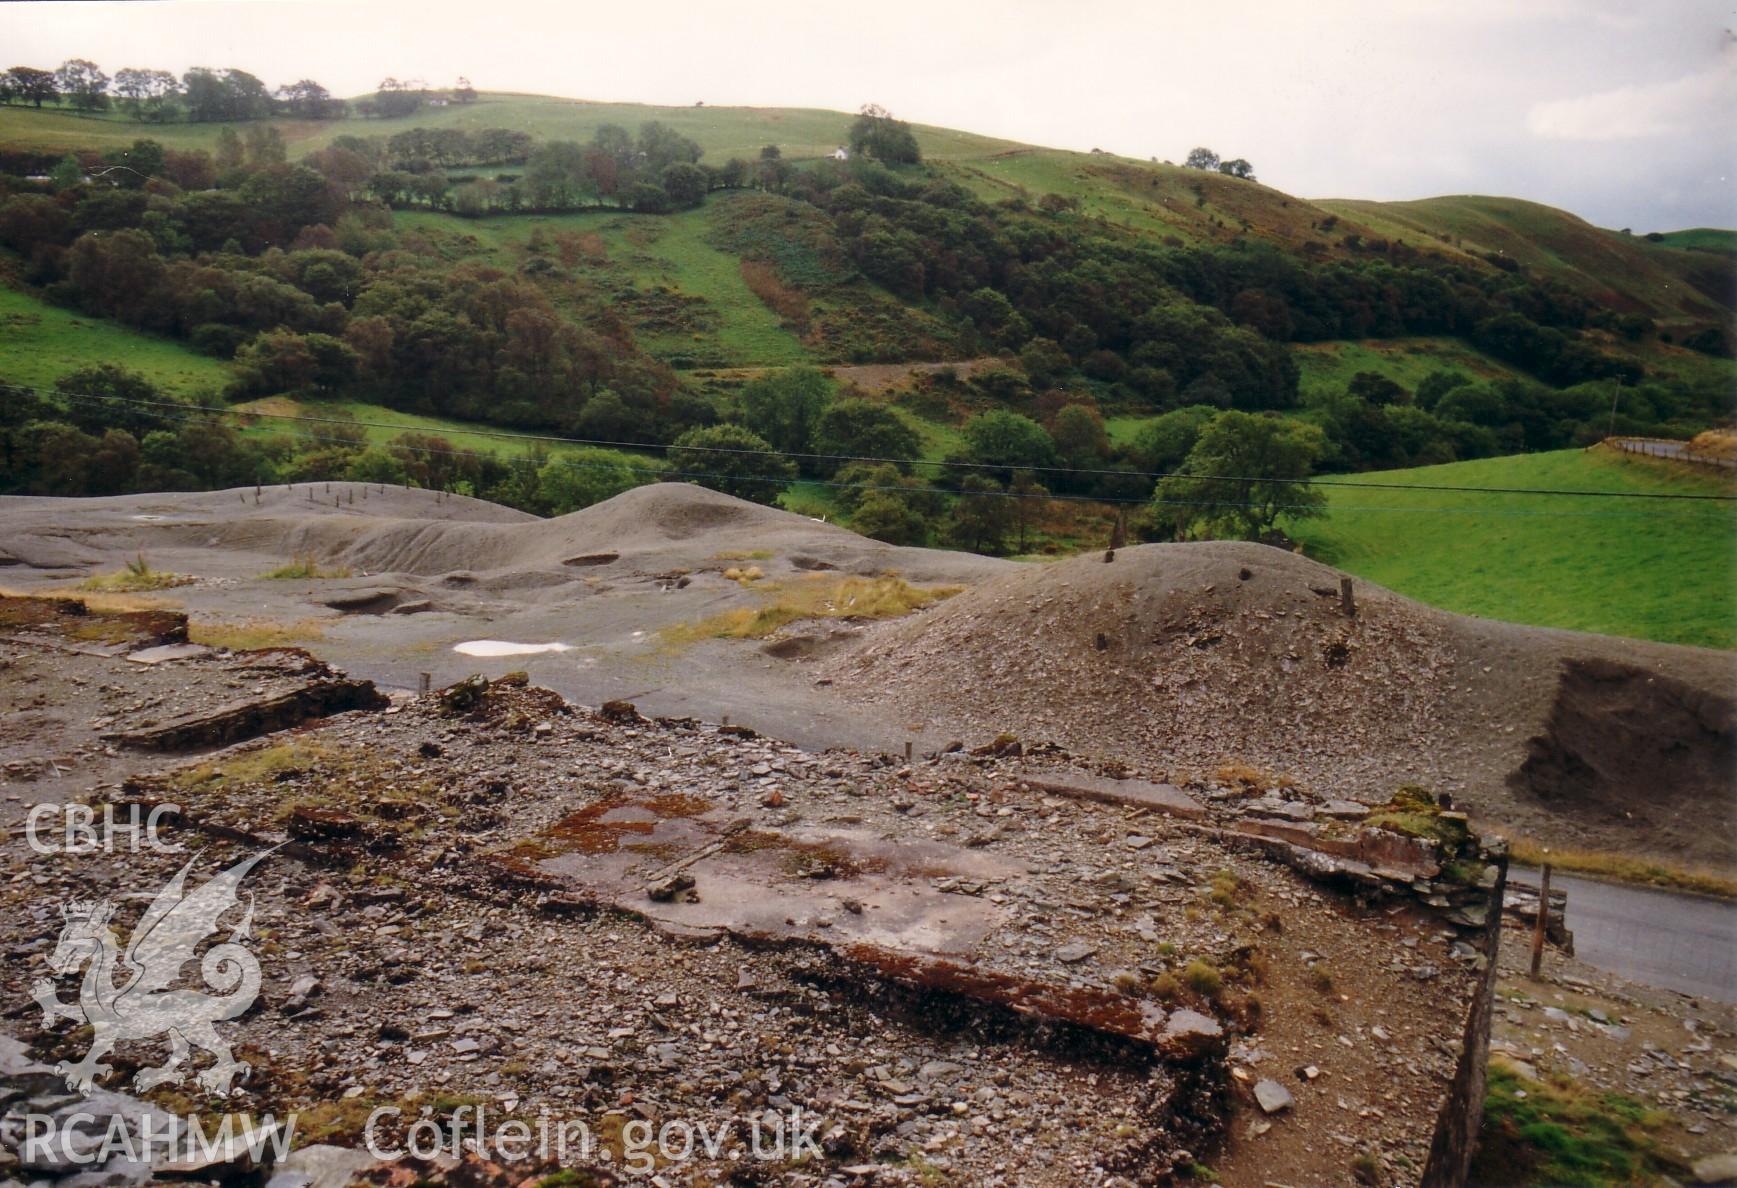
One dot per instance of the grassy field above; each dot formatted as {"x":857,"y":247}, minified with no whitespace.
{"x":1032,"y":173}
{"x":1555,"y":1130}
{"x":39,"y":343}
{"x":681,"y":281}
{"x":382,"y":424}
{"x":1405,"y":361}
{"x":1187,"y":206}
{"x":685,"y":298}
{"x":1701,"y":239}
{"x":1651,"y":570}
{"x":676,"y":253}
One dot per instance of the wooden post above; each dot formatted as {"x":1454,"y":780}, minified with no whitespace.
{"x":907,"y":750}
{"x":424,"y":682}
{"x":1347,"y":603}
{"x":1541,"y":923}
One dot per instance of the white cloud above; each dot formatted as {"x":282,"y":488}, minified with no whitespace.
{"x":1639,"y":111}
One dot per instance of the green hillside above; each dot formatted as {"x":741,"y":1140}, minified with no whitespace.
{"x":1626,"y":272}
{"x":270,"y":415}
{"x":680,"y":280}
{"x":1119,"y":285}
{"x":684,"y":297}
{"x":1652,"y":570}
{"x":1405,"y":361}
{"x":1699,"y":239}
{"x":40,"y":342}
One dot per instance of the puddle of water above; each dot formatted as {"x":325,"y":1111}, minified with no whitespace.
{"x":500,"y":647}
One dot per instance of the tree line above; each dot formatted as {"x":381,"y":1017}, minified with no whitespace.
{"x":204,"y":94}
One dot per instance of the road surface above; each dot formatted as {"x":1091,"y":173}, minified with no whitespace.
{"x":1677,"y":451}
{"x":1686,"y":943}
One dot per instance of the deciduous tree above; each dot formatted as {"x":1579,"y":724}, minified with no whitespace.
{"x":875,"y":133}
{"x":31,"y":85}
{"x":82,"y":84}
{"x":730,"y":459}
{"x":1243,"y":474}
{"x":982,"y":515}
{"x":863,"y":429}
{"x":784,"y":407}
{"x":145,"y":92}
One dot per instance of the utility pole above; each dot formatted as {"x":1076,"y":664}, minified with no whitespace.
{"x":1616,"y":392}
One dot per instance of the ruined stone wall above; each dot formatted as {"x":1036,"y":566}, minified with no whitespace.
{"x":1456,"y":1127}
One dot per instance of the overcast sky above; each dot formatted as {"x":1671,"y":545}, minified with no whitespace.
{"x":1623,"y":112}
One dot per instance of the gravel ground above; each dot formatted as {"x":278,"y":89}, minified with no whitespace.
{"x":403,"y":970}
{"x":1189,"y":657}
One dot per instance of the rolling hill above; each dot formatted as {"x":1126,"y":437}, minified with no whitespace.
{"x":1628,"y":273}
{"x":683,"y":286}
{"x":1683,"y":278}
{"x":723,"y":132}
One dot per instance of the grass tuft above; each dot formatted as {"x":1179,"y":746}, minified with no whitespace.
{"x":1556,"y":1131}
{"x":255,"y":633}
{"x":254,"y":766}
{"x":303,"y":568}
{"x":813,"y":598}
{"x":1414,"y":812}
{"x":1203,"y":977}
{"x":136,"y":578}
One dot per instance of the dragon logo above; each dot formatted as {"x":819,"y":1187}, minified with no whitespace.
{"x":137,"y":1002}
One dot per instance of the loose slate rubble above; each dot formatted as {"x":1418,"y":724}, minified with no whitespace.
{"x":315,"y":691}
{"x":1167,"y":799}
{"x":487,"y":892}
{"x":1272,"y":1097}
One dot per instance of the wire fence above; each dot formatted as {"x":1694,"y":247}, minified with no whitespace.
{"x":1675,"y":451}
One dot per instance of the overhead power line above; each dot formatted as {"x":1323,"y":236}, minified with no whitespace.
{"x":174,"y":409}
{"x":185,"y":414}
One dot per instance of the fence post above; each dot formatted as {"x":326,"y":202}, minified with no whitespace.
{"x":1541,"y":923}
